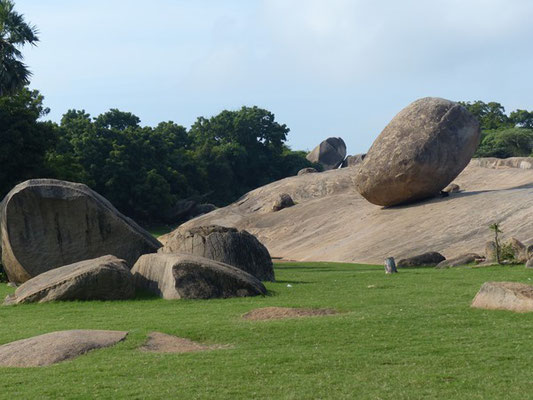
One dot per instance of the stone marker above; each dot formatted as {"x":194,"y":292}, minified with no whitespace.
{"x":390,"y":266}
{"x":284,"y":200}
{"x":512,"y":296}
{"x":461,"y":260}
{"x":186,"y":276}
{"x":103,"y":278}
{"x":55,"y":347}
{"x":330,"y":153}
{"x":418,"y":153}
{"x":47,"y":223}
{"x":227,"y":245}
{"x":430,"y":259}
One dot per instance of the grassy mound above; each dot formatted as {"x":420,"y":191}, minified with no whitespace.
{"x":409,"y":335}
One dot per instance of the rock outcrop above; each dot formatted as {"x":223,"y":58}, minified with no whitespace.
{"x":103,"y":278}
{"x":459,"y":261}
{"x":227,"y":245}
{"x":430,"y":259}
{"x":55,"y":347}
{"x":185,"y":276}
{"x":46,"y":223}
{"x":512,"y":296}
{"x":330,"y":153}
{"x":418,"y":153}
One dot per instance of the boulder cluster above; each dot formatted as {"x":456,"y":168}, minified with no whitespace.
{"x":63,"y":241}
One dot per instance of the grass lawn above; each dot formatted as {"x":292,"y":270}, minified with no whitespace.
{"x":411,"y":335}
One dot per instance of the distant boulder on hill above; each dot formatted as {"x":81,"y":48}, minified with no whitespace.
{"x":330,"y":153}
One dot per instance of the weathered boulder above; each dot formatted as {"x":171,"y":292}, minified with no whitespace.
{"x":352,"y":161}
{"x":103,"y":278}
{"x":529,"y":263}
{"x":47,"y":223}
{"x":284,"y":200}
{"x":490,"y":252}
{"x":512,"y":296}
{"x":452,"y":188}
{"x":519,"y":250}
{"x":459,"y":261}
{"x":418,"y":153}
{"x":55,"y":347}
{"x":529,"y":251}
{"x":307,"y":170}
{"x":330,"y":153}
{"x":430,"y":259}
{"x":186,"y":276}
{"x":227,"y":245}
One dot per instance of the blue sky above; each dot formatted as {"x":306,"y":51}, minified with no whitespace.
{"x":323,"y":67}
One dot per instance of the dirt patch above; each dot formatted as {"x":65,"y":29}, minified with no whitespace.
{"x":266,"y":313}
{"x":162,"y":343}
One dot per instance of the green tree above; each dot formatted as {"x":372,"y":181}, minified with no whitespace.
{"x":14,"y":33}
{"x":490,"y":115}
{"x":522,"y":118}
{"x":513,"y":142}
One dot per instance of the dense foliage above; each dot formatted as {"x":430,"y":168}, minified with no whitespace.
{"x":145,"y":171}
{"x":503,"y":135}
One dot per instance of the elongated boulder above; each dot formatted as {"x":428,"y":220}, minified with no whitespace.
{"x":459,"y":261}
{"x":430,"y":259}
{"x":330,"y":153}
{"x":55,"y":347}
{"x":418,"y":153}
{"x":185,"y":276}
{"x":46,"y":223}
{"x":512,"y":296}
{"x":227,"y":245}
{"x":103,"y":278}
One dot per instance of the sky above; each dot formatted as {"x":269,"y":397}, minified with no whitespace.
{"x":323,"y":67}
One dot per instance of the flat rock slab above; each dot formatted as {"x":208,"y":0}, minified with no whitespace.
{"x":185,"y":276}
{"x":47,"y":223}
{"x":162,"y":343}
{"x":55,"y":347}
{"x":512,"y":296}
{"x":261,"y":314}
{"x":103,"y":278}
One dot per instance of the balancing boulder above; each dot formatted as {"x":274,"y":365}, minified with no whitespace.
{"x":227,"y":245}
{"x":103,"y":278}
{"x":185,"y":276}
{"x":47,"y":223}
{"x":418,"y":153}
{"x":330,"y":153}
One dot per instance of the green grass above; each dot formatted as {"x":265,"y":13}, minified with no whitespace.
{"x":411,"y":335}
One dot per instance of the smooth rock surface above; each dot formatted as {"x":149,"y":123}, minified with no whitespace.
{"x":418,"y":153}
{"x":186,"y":276}
{"x":458,"y":261}
{"x":430,"y":259}
{"x":55,"y":347}
{"x":103,"y":278}
{"x":512,"y":296}
{"x":46,"y":223}
{"x":227,"y":245}
{"x":330,"y":153}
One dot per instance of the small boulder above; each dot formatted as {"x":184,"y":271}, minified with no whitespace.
{"x":512,"y":296}
{"x":352,"y":161}
{"x":459,"y":261}
{"x":55,"y":347}
{"x":103,"y":278}
{"x":452,"y":188}
{"x":330,"y":153}
{"x":529,"y":263}
{"x":308,"y":170}
{"x":185,"y":276}
{"x":519,"y":250}
{"x":47,"y":223}
{"x":430,"y":259}
{"x":227,"y":245}
{"x":418,"y":153}
{"x":284,"y":200}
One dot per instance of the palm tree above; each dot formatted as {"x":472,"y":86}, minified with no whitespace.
{"x":14,"y":33}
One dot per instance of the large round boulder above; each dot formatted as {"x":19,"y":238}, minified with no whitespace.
{"x":330,"y":153}
{"x":227,"y":245}
{"x":418,"y":153}
{"x":46,"y":223}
